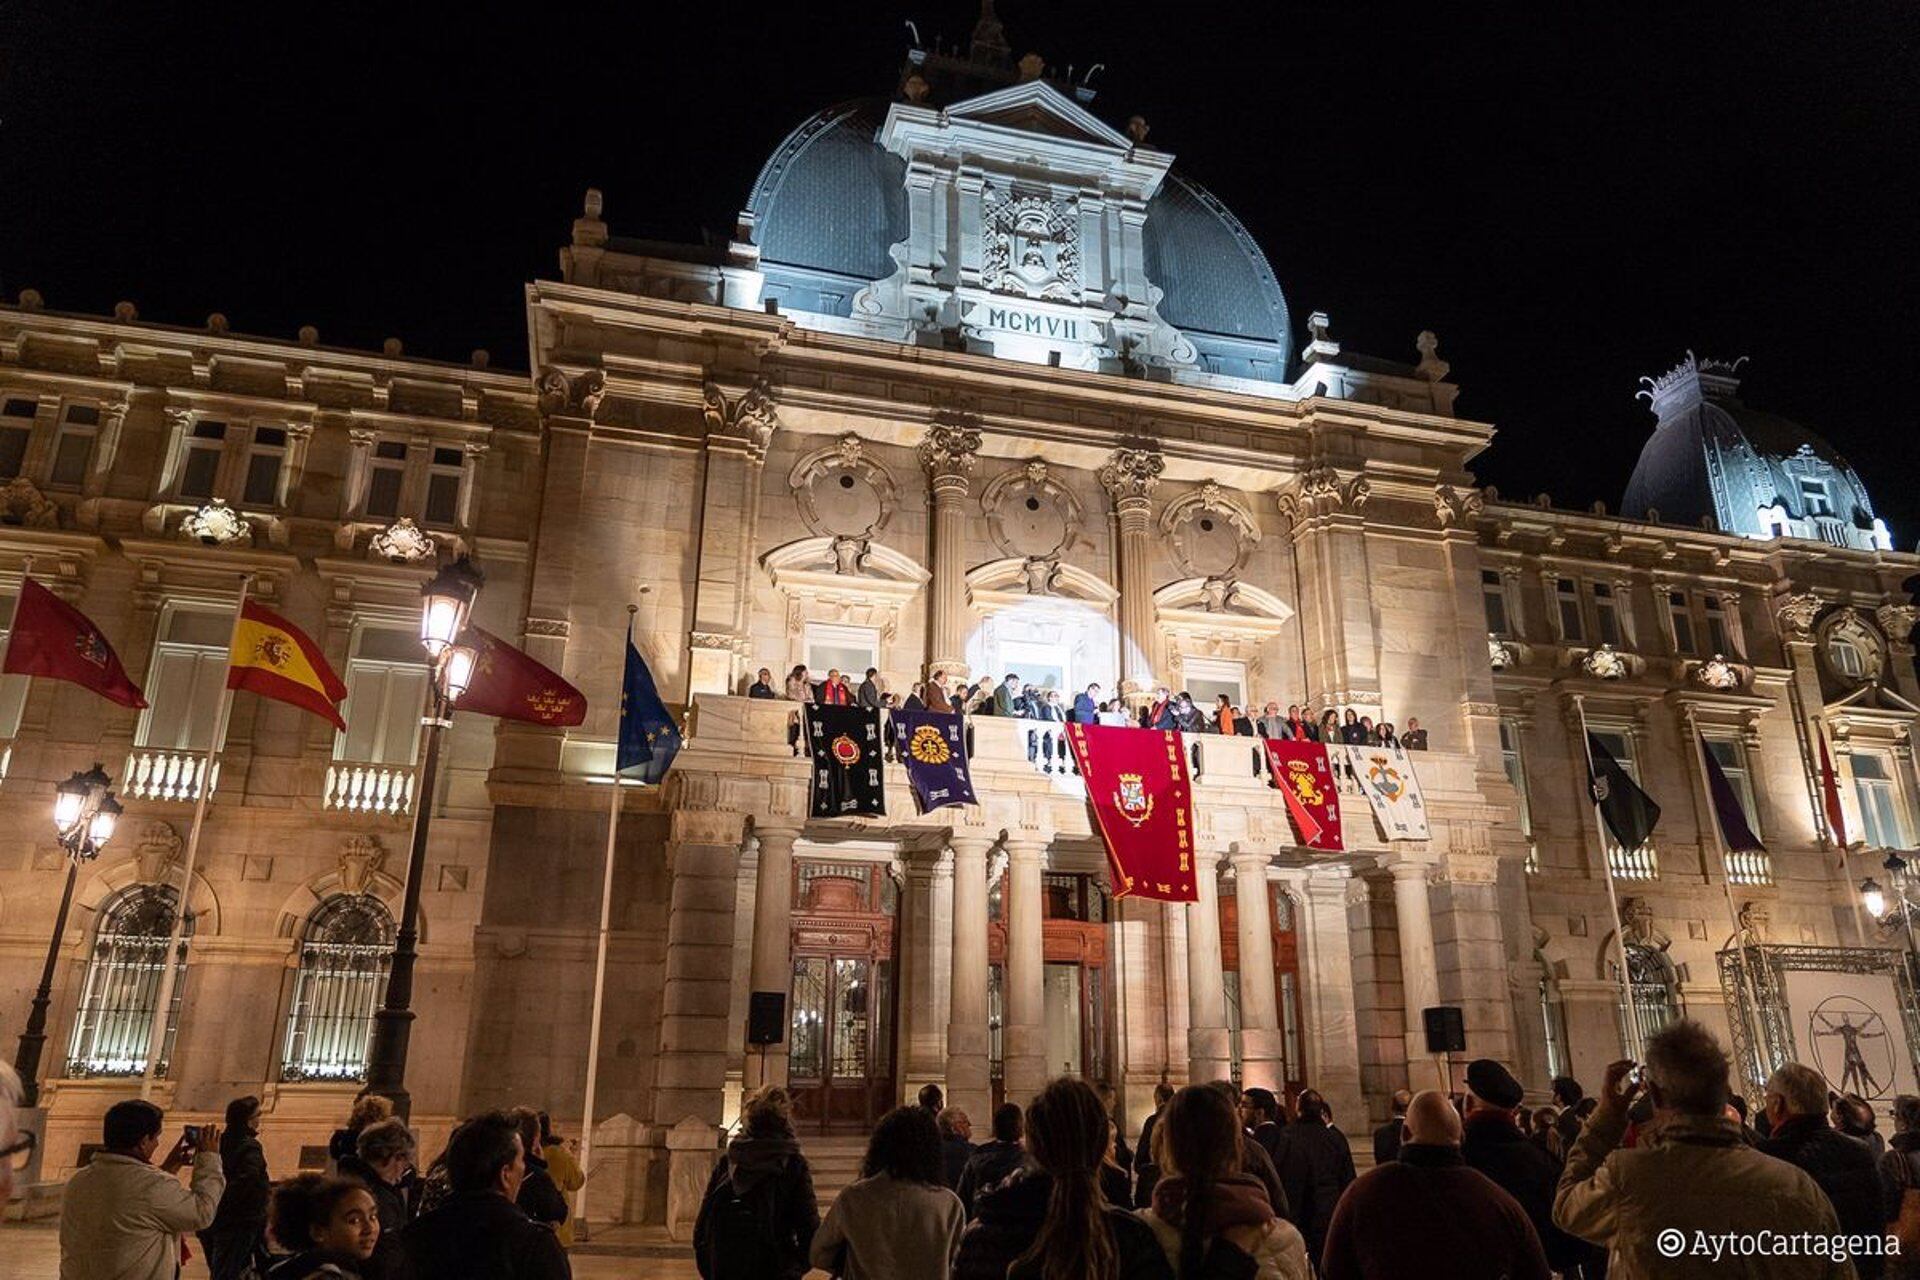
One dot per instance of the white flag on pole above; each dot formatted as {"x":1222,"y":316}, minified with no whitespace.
{"x":1386,"y":776}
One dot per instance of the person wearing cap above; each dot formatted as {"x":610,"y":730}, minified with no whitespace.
{"x":1493,"y":1144}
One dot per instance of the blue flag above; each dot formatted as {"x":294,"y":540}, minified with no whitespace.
{"x":934,"y":746}
{"x":649,"y":740}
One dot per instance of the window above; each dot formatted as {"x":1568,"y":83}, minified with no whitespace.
{"x":1814,"y":500}
{"x":188,"y":671}
{"x":113,"y":1023}
{"x":443,"y":486}
{"x":1208,"y":678}
{"x":13,"y":689}
{"x":386,"y":477}
{"x":16,"y":430}
{"x":1495,"y":597}
{"x":1743,"y":866}
{"x":200,"y":470}
{"x":1627,"y":864}
{"x":1655,"y":1004}
{"x":342,"y":978}
{"x":1606,"y":614}
{"x":1846,"y":656}
{"x":1516,"y":769}
{"x":1882,"y":821}
{"x":1553,"y":1027}
{"x":1719,"y":640}
{"x":831,"y":646}
{"x":265,"y":459}
{"x":73,"y":446}
{"x":387,"y":689}
{"x":1572,"y":628}
{"x":1682,"y":621}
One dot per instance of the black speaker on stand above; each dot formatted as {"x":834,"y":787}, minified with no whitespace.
{"x":767,"y":1017}
{"x":1446,"y":1034}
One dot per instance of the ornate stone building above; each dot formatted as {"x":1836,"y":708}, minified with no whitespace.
{"x":980,"y":385}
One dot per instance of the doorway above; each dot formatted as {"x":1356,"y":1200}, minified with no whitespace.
{"x":844,"y":997}
{"x":1074,"y":995}
{"x":1286,"y":982}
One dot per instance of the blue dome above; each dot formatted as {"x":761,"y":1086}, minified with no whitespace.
{"x":831,"y":201}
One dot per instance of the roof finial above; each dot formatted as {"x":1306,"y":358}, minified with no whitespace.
{"x":1320,"y":344}
{"x":1431,"y":366}
{"x":989,"y":38}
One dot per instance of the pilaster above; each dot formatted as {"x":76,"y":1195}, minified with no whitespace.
{"x":1261,"y":1051}
{"x":1025,"y":1036}
{"x":1209,"y":1050}
{"x":948,"y":453}
{"x":969,"y":1083}
{"x":1130,"y":477}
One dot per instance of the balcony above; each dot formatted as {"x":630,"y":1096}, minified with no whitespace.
{"x":370,"y":788}
{"x":164,"y":773}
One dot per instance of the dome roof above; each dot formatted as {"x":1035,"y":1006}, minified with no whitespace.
{"x":831,"y":201}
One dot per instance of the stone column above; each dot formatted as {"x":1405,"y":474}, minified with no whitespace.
{"x":1025,"y":1036}
{"x":948,"y":454}
{"x":1209,"y":1051}
{"x":926,"y":912}
{"x":1262,"y":1056}
{"x":1419,"y":970}
{"x":691,"y":1074}
{"x":739,"y":426}
{"x":1330,"y":1037}
{"x":969,"y":1083}
{"x":1173,"y":969}
{"x":772,"y":965}
{"x":1130,"y":476}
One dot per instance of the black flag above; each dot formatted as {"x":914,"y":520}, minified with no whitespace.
{"x":845,"y":744}
{"x":1629,"y":812}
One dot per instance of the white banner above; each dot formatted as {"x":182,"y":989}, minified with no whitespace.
{"x":1386,"y":776}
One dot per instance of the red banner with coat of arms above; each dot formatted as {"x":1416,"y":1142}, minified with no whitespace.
{"x":1143,"y":804}
{"x":1305,"y":778}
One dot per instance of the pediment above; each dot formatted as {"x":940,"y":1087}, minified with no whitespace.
{"x":1036,"y":107}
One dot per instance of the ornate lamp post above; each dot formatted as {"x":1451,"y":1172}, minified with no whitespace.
{"x":446,"y":604}
{"x":1875,"y":898}
{"x":84,"y":816}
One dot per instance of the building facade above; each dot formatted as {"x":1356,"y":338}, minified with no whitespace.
{"x":981,"y":385}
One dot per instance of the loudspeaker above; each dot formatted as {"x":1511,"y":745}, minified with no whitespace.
{"x":767,"y":1017}
{"x":1446,"y":1029}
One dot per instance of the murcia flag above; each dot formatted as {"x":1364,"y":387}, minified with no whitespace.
{"x":52,"y":638}
{"x":1143,"y":804}
{"x":847,"y":779}
{"x":934,"y":746}
{"x":1304,"y":778}
{"x":512,"y":685}
{"x":275,"y":659}
{"x":1386,"y":778}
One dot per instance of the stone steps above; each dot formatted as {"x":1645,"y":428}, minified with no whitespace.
{"x":835,"y":1162}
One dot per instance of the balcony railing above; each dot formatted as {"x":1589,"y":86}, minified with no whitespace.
{"x":1749,"y":866}
{"x":163,"y":773}
{"x":1633,"y":864}
{"x":370,"y":788}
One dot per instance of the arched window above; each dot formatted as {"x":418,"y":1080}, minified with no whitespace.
{"x":1655,"y":996}
{"x":343,"y":976}
{"x":114,"y":1020}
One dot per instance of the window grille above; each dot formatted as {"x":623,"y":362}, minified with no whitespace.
{"x":114,"y":1022}
{"x":342,"y":978}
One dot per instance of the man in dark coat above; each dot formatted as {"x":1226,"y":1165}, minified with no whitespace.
{"x":1494,"y":1145}
{"x":234,"y":1237}
{"x":1567,"y":1095}
{"x":479,"y":1233}
{"x":1427,"y":1214}
{"x":1844,"y":1167}
{"x":956,"y":1144}
{"x":1145,"y":1171}
{"x":1085,"y":705}
{"x":1386,"y":1139}
{"x":1315,"y":1165}
{"x":1260,"y":1113}
{"x":764,"y":1169}
{"x":993,"y":1161}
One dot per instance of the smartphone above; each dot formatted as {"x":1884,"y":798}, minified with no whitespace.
{"x":1638,"y":1075}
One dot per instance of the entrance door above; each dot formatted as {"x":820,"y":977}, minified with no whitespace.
{"x":1073,"y":981}
{"x":840,"y":1068}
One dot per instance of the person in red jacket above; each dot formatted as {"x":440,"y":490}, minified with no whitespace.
{"x":1427,"y":1214}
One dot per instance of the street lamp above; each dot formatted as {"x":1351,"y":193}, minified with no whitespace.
{"x":84,"y":816}
{"x":446,"y":604}
{"x":1874,"y":897}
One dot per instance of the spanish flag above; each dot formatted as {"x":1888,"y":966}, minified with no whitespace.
{"x":276,"y":659}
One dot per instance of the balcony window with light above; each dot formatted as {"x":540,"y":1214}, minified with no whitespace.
{"x":1572,"y":628}
{"x":1730,"y":753}
{"x":1494,"y":596}
{"x":1719,"y":639}
{"x":206,"y":444}
{"x":386,"y":479}
{"x":833,"y":647}
{"x":1516,"y":769}
{"x":16,"y":432}
{"x":1883,"y":821}
{"x":344,"y":958}
{"x":266,"y":458}
{"x":73,"y":446}
{"x":387,"y":678}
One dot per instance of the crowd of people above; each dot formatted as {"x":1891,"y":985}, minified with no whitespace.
{"x":1222,"y":1184}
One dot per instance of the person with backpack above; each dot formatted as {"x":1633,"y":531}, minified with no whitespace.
{"x":1207,"y":1214}
{"x":235,"y":1239}
{"x":899,"y":1221}
{"x":759,"y":1216}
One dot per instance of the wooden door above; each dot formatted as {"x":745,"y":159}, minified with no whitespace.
{"x":843,"y":996}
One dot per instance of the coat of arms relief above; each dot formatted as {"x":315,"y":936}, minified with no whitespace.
{"x":1030,"y":245}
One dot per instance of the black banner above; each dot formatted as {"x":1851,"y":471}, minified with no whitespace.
{"x":845,"y":744}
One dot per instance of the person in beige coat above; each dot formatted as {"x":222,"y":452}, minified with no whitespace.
{"x":1692,"y":1176}
{"x":899,"y":1221}
{"x":121,"y":1218}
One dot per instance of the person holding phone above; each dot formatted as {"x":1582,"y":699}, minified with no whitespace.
{"x":121,"y":1216}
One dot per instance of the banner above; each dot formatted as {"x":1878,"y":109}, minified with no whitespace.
{"x":52,"y":638}
{"x":514,"y":685}
{"x":649,"y":739}
{"x":934,"y":746}
{"x":1736,"y":833}
{"x":275,"y":659}
{"x":1629,"y":812}
{"x":1137,"y":785}
{"x":1386,"y":777}
{"x":1304,"y":776}
{"x":845,"y":744}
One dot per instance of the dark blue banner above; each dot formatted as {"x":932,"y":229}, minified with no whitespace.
{"x":934,"y":746}
{"x":846,"y":748}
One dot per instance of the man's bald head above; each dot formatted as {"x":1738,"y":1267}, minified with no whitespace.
{"x":1431,"y":1119}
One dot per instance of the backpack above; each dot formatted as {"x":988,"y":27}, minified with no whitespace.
{"x":742,"y":1241}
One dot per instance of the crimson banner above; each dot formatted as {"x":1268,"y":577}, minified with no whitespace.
{"x":1137,"y":784}
{"x":1302,"y":773}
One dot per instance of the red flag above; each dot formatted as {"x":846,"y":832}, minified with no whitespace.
{"x":510,"y":684}
{"x":1830,"y":795}
{"x":52,"y":638}
{"x":275,"y":659}
{"x":1142,"y":803}
{"x":1304,"y":776}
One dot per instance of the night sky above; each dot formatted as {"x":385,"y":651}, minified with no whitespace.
{"x":1570,"y":202}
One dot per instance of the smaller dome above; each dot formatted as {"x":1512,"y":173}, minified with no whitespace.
{"x":830,"y":198}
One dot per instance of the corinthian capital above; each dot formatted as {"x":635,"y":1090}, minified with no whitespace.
{"x":951,"y":445}
{"x":748,"y":416}
{"x":1797,"y":612}
{"x":1131,"y":475}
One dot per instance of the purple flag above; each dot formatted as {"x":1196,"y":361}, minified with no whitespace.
{"x":1735,"y":833}
{"x":933,"y":745}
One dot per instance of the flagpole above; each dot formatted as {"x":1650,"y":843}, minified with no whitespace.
{"x":1741,"y":991}
{"x":1613,"y":894}
{"x":156,"y":1034}
{"x":600,"y":963}
{"x":1839,"y":837}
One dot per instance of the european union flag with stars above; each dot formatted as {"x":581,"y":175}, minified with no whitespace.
{"x":649,"y":739}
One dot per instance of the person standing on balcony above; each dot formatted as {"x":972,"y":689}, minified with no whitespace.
{"x":1158,"y":714}
{"x":1006,"y":698}
{"x":870,"y":690}
{"x":1086,"y":705}
{"x":762,"y":686}
{"x":799,"y":688}
{"x":1415,"y":738}
{"x":834,"y":691}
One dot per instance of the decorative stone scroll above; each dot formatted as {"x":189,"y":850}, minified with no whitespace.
{"x":573,"y":394}
{"x":216,"y":524}
{"x":1130,"y":475}
{"x":749,"y":416}
{"x":402,"y":542}
{"x":361,"y":857}
{"x":1604,"y":663}
{"x":1717,"y":673}
{"x":24,"y":506}
{"x":157,"y":853}
{"x":1796,"y":613}
{"x":1453,"y":506}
